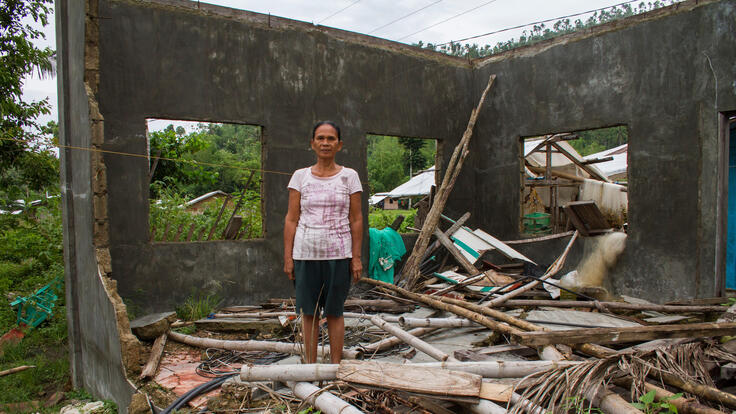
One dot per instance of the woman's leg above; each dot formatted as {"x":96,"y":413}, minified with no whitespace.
{"x":310,"y":333}
{"x":336,"y":330}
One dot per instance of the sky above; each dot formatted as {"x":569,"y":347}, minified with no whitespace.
{"x":406,"y":21}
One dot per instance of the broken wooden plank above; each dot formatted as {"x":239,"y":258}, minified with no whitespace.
{"x":436,"y":244}
{"x":455,"y":252}
{"x":407,"y":377}
{"x":551,"y":271}
{"x":153,"y":360}
{"x":496,"y":392}
{"x":586,"y":217}
{"x":632,"y":334}
{"x":392,"y":341}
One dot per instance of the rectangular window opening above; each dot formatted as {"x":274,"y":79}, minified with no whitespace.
{"x":205,"y":181}
{"x":401,"y":175}
{"x":563,"y":174}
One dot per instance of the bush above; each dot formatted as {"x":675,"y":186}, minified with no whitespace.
{"x":380,"y":219}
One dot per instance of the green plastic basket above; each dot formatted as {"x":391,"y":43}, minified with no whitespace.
{"x":536,"y":223}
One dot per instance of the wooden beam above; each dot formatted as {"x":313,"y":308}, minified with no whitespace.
{"x":628,"y":334}
{"x":514,"y":303}
{"x":153,"y":360}
{"x":453,"y":228}
{"x":450,"y":246}
{"x":580,"y":164}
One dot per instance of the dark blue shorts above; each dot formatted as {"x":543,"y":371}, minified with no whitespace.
{"x":321,"y":285}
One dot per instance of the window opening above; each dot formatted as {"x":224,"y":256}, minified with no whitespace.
{"x":563,"y":174}
{"x":401,"y":175}
{"x":204,"y":181}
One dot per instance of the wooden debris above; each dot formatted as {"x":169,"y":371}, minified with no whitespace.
{"x":410,"y":272}
{"x":631,"y":334}
{"x":16,"y":369}
{"x":287,"y":348}
{"x":514,"y":303}
{"x":153,"y":360}
{"x":322,"y":399}
{"x":410,"y":339}
{"x":409,"y":377}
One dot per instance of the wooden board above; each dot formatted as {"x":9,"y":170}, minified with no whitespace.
{"x":633,"y":334}
{"x":496,"y":392}
{"x":586,"y":217}
{"x":406,"y":377}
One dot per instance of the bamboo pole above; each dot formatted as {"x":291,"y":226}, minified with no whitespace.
{"x":486,"y":407}
{"x":684,"y":405}
{"x":551,"y":271}
{"x":410,"y":271}
{"x":457,"y":310}
{"x":322,"y":399}
{"x":328,"y":372}
{"x":609,"y":402}
{"x":153,"y":360}
{"x":410,"y":339}
{"x":392,"y":341}
{"x":705,"y":391}
{"x":468,"y":281}
{"x":287,"y":348}
{"x":434,"y":322}
{"x":16,"y":369}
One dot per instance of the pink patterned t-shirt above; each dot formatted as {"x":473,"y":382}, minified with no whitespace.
{"x":323,"y":231}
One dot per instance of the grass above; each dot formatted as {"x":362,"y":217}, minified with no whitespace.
{"x":196,"y":307}
{"x":380,"y":219}
{"x":30,"y":257}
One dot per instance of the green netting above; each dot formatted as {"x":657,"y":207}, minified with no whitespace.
{"x":387,"y":247}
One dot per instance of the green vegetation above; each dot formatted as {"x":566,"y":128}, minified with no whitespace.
{"x":170,"y":210}
{"x":597,"y":140}
{"x":647,"y":404}
{"x":380,"y":219}
{"x":197,"y":306}
{"x":540,"y":32}
{"x":30,"y":257}
{"x":224,"y":157}
{"x":393,"y":160}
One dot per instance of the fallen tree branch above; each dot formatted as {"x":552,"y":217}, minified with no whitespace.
{"x":16,"y":369}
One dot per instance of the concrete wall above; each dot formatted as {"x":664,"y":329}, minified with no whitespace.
{"x":656,"y":74}
{"x":230,"y":66}
{"x":649,"y":73}
{"x":94,"y":343}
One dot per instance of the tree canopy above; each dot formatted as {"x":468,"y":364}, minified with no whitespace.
{"x":26,"y":161}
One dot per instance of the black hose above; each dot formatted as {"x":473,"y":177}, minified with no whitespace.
{"x":200,"y":389}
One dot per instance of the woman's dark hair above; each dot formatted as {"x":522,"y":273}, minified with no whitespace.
{"x":330,"y":123}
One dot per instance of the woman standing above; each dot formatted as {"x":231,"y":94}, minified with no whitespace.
{"x":323,"y":231}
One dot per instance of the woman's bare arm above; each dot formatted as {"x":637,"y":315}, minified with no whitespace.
{"x":290,"y":223}
{"x":355,"y":216}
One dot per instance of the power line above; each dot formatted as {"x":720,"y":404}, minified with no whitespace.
{"x":447,"y":20}
{"x":403,"y":17}
{"x":152,"y":157}
{"x":340,"y":11}
{"x":538,"y":22}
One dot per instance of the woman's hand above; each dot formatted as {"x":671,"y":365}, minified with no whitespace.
{"x":289,"y":268}
{"x":356,"y":269}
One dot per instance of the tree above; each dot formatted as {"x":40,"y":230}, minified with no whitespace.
{"x":25,"y":159}
{"x":413,"y":159}
{"x":385,"y":168}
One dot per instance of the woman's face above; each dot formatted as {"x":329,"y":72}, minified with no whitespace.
{"x":325,"y":143}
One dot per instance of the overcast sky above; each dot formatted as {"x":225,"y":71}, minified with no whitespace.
{"x":406,"y":21}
